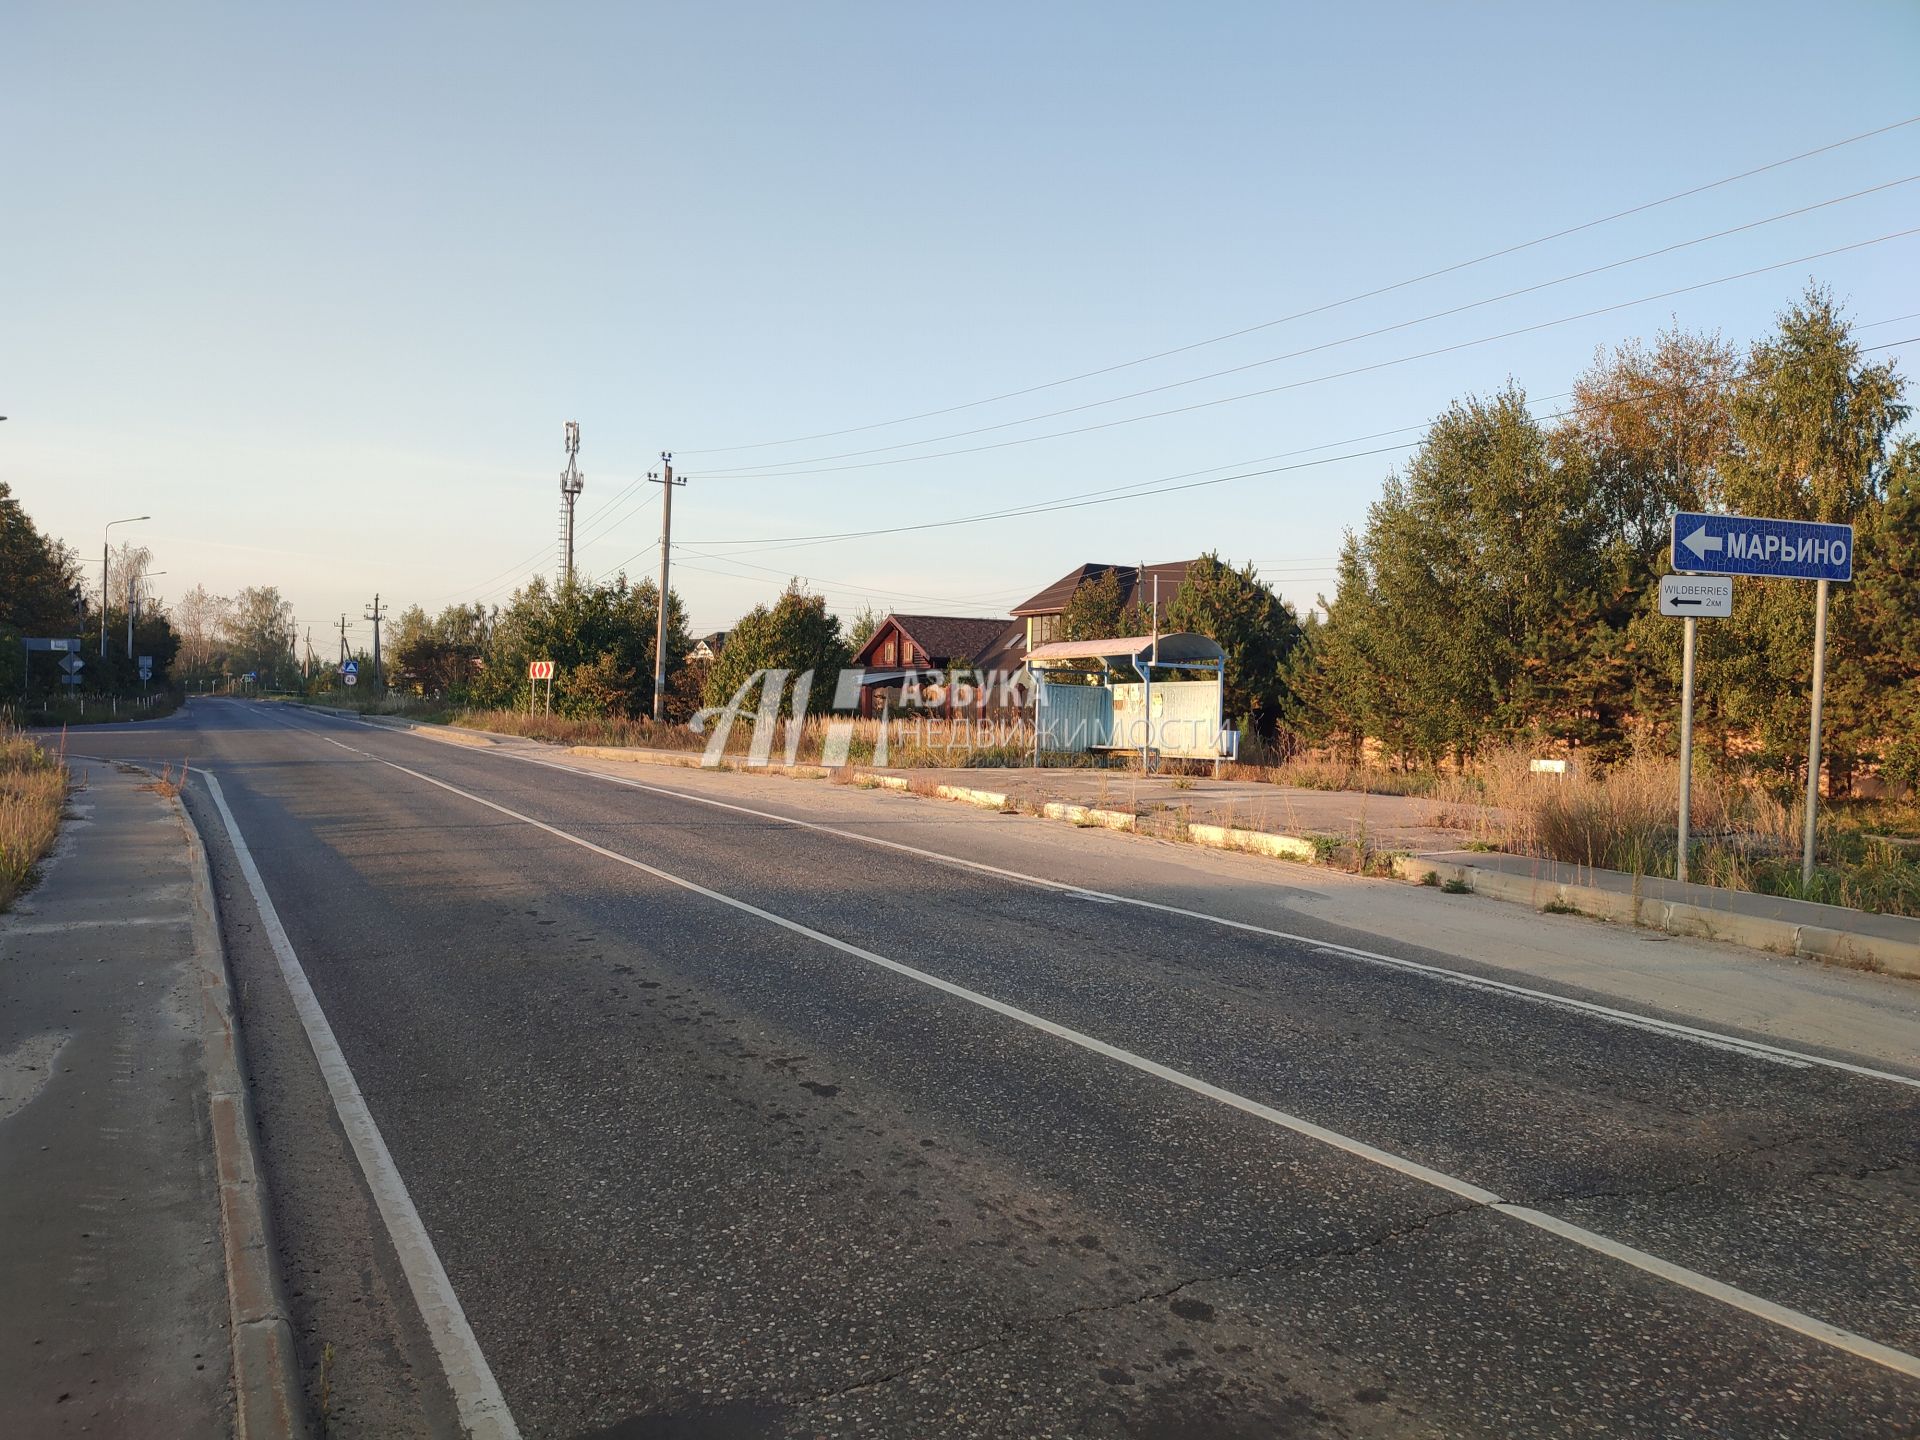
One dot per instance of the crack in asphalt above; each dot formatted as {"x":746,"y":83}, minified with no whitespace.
{"x":1278,"y":1263}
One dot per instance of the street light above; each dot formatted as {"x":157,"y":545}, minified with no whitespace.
{"x":130,"y":584}
{"x":106,"y":550}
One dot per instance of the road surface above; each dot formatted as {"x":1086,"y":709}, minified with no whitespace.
{"x":731,"y":1106}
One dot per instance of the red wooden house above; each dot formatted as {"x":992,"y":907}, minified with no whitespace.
{"x":920,"y":654}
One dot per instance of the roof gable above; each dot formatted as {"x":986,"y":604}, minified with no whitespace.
{"x":942,"y":639}
{"x":1136,"y":585}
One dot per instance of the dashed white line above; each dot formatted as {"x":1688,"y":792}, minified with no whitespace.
{"x":1736,"y":1044}
{"x":1757,"y":1306}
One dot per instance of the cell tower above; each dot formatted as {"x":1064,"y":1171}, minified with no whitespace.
{"x":572,"y":482}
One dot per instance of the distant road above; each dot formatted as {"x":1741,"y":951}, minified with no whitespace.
{"x":721,"y":1124}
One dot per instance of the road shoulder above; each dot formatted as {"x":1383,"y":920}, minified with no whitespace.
{"x":126,"y":1184}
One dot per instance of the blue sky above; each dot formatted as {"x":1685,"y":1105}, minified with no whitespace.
{"x":317,"y":286}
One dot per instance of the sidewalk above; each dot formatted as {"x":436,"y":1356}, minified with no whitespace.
{"x":1287,"y":822}
{"x":1388,"y":822}
{"x":1889,"y":943}
{"x":122,"y":1150}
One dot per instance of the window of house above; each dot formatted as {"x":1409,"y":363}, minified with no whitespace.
{"x":888,"y":652}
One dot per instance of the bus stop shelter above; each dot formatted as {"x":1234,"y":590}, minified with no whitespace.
{"x":1102,"y":697}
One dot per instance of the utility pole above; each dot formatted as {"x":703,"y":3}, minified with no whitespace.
{"x":665,"y":479}
{"x":572,"y":482}
{"x":343,"y":637}
{"x":376,"y":615}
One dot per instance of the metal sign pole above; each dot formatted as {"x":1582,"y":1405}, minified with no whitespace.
{"x":1691,"y":624}
{"x":1813,"y":738}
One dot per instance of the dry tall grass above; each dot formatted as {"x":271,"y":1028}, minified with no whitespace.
{"x":33,"y":789}
{"x":1742,"y":837}
{"x":1625,"y":817}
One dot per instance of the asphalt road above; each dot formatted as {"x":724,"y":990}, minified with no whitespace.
{"x":778,"y":1131}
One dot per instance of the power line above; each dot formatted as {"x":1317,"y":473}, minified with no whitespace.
{"x":536,"y":560}
{"x":979,"y":598}
{"x":744,"y":471}
{"x":1331,"y":304}
{"x":844,"y":592}
{"x":1145,"y":488}
{"x":614,"y":522}
{"x":1356,"y":370}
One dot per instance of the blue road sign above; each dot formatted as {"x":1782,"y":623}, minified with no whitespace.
{"x":1751,"y":545}
{"x":349,"y":667}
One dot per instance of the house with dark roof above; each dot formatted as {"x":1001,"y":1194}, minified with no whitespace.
{"x":1041,"y":614}
{"x":912,"y":648}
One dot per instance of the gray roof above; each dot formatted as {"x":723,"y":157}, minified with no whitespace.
{"x":1182,"y":647}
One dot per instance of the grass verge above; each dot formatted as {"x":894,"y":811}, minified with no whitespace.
{"x":33,"y":790}
{"x":89,"y":709}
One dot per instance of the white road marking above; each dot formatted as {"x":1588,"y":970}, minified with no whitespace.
{"x":1737,"y":1044}
{"x":483,"y":1410}
{"x":1763,"y":1309}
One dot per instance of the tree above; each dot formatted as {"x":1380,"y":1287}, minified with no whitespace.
{"x":40,"y":588}
{"x":866,"y":620}
{"x":1812,"y":430}
{"x":1257,"y":629}
{"x":260,"y":635}
{"x":796,"y":633}
{"x":1096,"y":610}
{"x":440,"y":656}
{"x":1652,"y":428}
{"x":200,"y":618}
{"x":600,"y":636}
{"x":1465,"y":608}
{"x":1877,"y":686}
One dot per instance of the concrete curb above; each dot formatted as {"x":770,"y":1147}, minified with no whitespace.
{"x":1758,"y":932}
{"x":1257,"y":842}
{"x":1086,"y":817}
{"x":984,"y":799}
{"x":269,"y":1400}
{"x":1868,"y":952}
{"x":446,"y":734}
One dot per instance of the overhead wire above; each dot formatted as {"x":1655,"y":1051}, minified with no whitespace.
{"x":749,"y":471}
{"x":1358,"y":369}
{"x":1323,"y":308}
{"x":1145,"y":488}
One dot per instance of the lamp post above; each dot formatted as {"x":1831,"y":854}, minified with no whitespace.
{"x":105,"y":551}
{"x":132,"y":580}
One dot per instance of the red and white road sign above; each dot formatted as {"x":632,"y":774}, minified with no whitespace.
{"x":540,"y":670}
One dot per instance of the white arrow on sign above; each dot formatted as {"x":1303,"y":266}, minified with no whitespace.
{"x":1701,"y":543}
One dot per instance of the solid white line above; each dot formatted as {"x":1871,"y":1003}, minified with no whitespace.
{"x":1763,"y":1309}
{"x":483,"y":1410}
{"x":1735,"y":1044}
{"x":1754,"y":1049}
